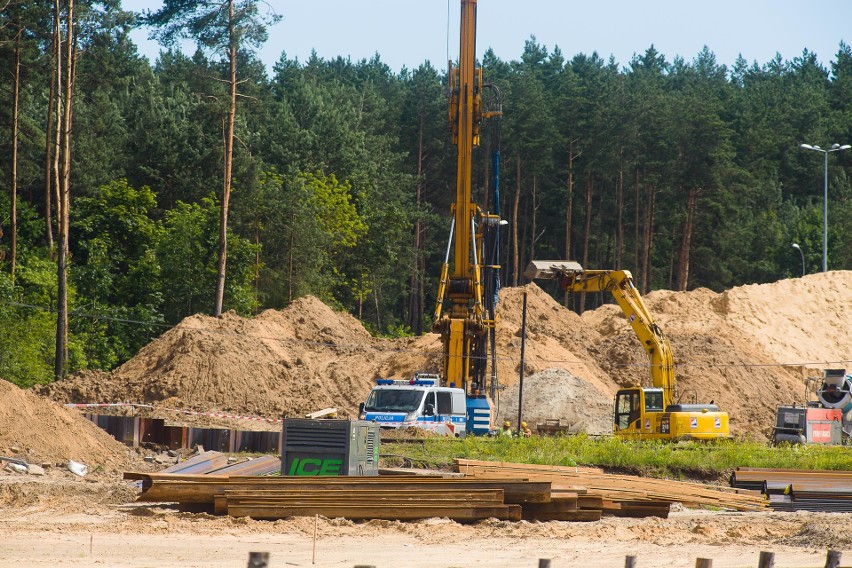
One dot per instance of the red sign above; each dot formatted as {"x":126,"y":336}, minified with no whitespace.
{"x":820,"y":433}
{"x":834,"y":414}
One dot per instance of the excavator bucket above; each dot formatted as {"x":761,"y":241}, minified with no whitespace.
{"x":551,"y":268}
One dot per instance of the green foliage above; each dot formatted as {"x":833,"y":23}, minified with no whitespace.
{"x":116,"y":271}
{"x":336,"y":162}
{"x":333,"y":210}
{"x":209,"y":22}
{"x":656,"y":458}
{"x":26,"y":341}
{"x":187,"y":259}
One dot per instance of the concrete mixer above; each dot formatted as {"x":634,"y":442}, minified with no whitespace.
{"x":828,"y":420}
{"x":836,"y":393}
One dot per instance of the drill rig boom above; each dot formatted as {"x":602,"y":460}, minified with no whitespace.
{"x":464,"y":327}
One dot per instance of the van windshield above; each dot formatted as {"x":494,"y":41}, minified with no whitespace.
{"x":394,"y":400}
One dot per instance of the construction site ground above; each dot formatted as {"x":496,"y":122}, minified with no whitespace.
{"x":748,"y":349}
{"x":62,"y":520}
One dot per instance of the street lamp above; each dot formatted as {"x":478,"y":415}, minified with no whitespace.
{"x":834,"y":148}
{"x":798,"y":248}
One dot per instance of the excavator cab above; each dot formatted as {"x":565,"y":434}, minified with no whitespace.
{"x":632,"y":405}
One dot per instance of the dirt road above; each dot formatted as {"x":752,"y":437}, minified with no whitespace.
{"x":75,"y":522}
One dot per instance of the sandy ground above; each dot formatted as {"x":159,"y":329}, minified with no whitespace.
{"x":59,"y":521}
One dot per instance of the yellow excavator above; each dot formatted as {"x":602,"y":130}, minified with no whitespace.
{"x":648,"y":413}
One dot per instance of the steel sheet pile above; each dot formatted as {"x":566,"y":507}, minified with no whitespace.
{"x":799,"y":490}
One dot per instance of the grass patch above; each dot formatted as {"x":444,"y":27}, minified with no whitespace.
{"x":705,"y":460}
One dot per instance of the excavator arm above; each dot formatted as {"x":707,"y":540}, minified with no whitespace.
{"x":619,"y":283}
{"x":640,"y":413}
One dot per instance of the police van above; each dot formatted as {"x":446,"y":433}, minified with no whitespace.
{"x":418,"y":403}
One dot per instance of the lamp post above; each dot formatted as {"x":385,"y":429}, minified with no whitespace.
{"x":798,"y":248}
{"x":834,"y":148}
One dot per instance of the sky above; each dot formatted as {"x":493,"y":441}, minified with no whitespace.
{"x":406,"y":33}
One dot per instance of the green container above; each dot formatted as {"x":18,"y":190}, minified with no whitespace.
{"x":312,"y":448}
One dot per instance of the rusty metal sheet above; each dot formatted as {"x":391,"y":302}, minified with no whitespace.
{"x":259,"y":466}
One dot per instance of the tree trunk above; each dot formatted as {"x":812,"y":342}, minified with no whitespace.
{"x":256,"y":262}
{"x":515,"y":222}
{"x":378,"y":313}
{"x":522,"y":252}
{"x":229,"y":156}
{"x":648,"y":239}
{"x":64,"y":205}
{"x":415,"y":301}
{"x":686,"y":240}
{"x":15,"y":111}
{"x":48,"y":157}
{"x":569,"y":199}
{"x":619,"y":215}
{"x":421,"y":282}
{"x":587,"y":231}
{"x":636,"y":221}
{"x":533,"y":231}
{"x":670,"y":284}
{"x":569,"y":211}
{"x":60,"y":102}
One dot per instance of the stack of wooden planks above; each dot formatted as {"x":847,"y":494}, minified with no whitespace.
{"x":508,"y":491}
{"x":385,"y":497}
{"x":619,"y":495}
{"x":799,"y":489}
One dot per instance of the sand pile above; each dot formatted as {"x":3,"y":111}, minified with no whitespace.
{"x":41,"y":431}
{"x":556,"y":394}
{"x":302,"y":359}
{"x":747,"y":349}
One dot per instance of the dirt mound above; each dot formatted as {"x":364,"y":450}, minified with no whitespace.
{"x":556,"y":337}
{"x":746,"y":349}
{"x":294,"y":361}
{"x":41,"y":431}
{"x":796,"y":321}
{"x":556,"y":394}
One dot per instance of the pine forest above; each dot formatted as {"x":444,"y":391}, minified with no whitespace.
{"x":135,"y":193}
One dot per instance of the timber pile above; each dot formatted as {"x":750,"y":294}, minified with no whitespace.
{"x":618,"y":495}
{"x":798,"y":489}
{"x":395,"y":497}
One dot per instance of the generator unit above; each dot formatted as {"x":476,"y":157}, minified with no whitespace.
{"x":808,"y":425}
{"x":312,"y":447}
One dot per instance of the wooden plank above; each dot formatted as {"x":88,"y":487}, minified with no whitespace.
{"x":487,"y":494}
{"x":640,"y":512}
{"x":620,"y":487}
{"x":461,"y":464}
{"x":573,"y":516}
{"x":160,"y":476}
{"x":589,"y":502}
{"x":362,"y":498}
{"x":321,"y":413}
{"x":458,"y":512}
{"x":203,"y":492}
{"x":318,"y":502}
{"x":555,"y":506}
